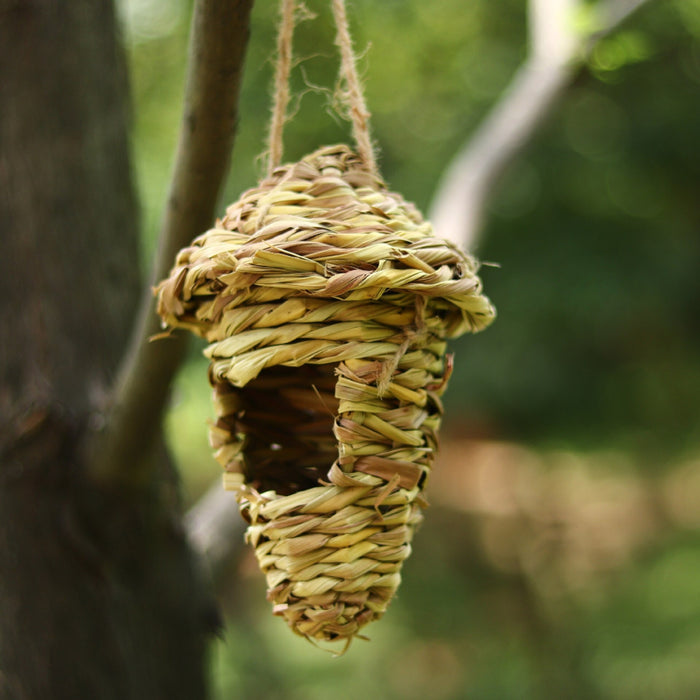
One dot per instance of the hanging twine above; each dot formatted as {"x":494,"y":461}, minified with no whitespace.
{"x":282,"y":71}
{"x":359,"y":113}
{"x":356,"y":107}
{"x":327,"y":302}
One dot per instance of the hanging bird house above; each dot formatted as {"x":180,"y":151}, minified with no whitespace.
{"x":327,"y":302}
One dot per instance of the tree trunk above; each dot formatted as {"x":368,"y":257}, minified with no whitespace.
{"x":99,"y":594}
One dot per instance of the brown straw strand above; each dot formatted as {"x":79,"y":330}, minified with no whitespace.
{"x":359,"y":113}
{"x":282,"y":71}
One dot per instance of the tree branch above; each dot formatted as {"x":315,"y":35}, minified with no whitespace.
{"x":215,"y":65}
{"x":556,"y":52}
{"x":215,"y":530}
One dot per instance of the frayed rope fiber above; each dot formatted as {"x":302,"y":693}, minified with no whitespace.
{"x":327,"y":301}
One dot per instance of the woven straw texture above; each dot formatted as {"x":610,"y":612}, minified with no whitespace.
{"x":326,"y":301}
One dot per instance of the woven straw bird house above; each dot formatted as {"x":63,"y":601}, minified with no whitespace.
{"x":326,"y":301}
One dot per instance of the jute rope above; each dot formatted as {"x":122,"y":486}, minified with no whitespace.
{"x":281,"y":94}
{"x":356,"y":106}
{"x":359,"y":113}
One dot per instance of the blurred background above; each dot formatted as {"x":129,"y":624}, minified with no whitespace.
{"x":561,"y":554}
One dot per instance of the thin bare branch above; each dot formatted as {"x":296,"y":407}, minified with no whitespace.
{"x":551,"y":34}
{"x":215,"y":530}
{"x":556,"y":52}
{"x":457,"y":211}
{"x":217,"y":48}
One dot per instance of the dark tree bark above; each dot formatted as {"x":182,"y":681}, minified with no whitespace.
{"x":99,"y":594}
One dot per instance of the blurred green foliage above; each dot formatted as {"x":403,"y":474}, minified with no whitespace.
{"x":460,"y":630}
{"x":595,"y":229}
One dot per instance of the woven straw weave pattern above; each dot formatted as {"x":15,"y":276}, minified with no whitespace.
{"x":326,"y":301}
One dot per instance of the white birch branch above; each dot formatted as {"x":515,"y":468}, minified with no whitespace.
{"x":215,"y":530}
{"x":557,"y":50}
